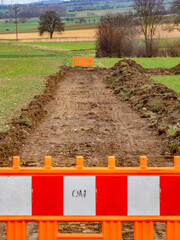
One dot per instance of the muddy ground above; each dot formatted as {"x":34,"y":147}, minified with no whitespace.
{"x":79,"y":114}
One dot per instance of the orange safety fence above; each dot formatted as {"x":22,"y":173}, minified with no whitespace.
{"x":83,"y":61}
{"x":111,"y":195}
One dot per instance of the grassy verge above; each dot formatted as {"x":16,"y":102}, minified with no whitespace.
{"x":15,"y":93}
{"x":172,"y":82}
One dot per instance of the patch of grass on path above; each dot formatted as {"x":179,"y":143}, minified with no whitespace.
{"x":170,"y":81}
{"x":15,"y":93}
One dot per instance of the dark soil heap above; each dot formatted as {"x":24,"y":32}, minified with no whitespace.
{"x":153,"y":100}
{"x":154,"y":71}
{"x":176,"y":70}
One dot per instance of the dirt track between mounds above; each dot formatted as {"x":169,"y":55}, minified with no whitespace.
{"x":86,"y":118}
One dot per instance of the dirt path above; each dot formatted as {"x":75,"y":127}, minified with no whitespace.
{"x":87,"y":119}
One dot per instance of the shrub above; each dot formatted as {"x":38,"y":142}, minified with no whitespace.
{"x":115,"y":36}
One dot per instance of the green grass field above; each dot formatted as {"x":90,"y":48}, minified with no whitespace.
{"x":19,"y":51}
{"x":65,"y":45}
{"x":15,"y":93}
{"x":172,"y":82}
{"x":101,"y":12}
{"x":75,"y":20}
{"x":29,"y":26}
{"x":105,"y":62}
{"x":146,"y":62}
{"x":32,"y":24}
{"x":12,"y":67}
{"x":22,"y":76}
{"x":21,"y":60}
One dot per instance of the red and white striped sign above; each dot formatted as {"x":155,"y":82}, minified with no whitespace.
{"x":89,"y":195}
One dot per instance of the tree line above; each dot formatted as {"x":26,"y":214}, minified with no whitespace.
{"x":33,"y":11}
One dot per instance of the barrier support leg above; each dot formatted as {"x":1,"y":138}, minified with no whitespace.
{"x":143,"y":231}
{"x":16,"y":230}
{"x":112,"y":230}
{"x":172,"y":230}
{"x":48,"y":230}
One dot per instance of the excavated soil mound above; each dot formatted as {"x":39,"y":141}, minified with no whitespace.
{"x":154,"y":71}
{"x":154,"y":101}
{"x":176,"y":70}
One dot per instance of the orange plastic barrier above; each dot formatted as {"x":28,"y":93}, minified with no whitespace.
{"x":83,"y":61}
{"x":40,"y":194}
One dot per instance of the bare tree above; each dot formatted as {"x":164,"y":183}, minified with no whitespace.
{"x":149,"y":14}
{"x":50,"y":22}
{"x":176,"y":10}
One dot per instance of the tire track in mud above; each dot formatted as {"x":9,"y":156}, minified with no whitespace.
{"x":87,"y":119}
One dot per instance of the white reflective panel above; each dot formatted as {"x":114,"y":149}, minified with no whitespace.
{"x":143,"y":196}
{"x":15,"y":196}
{"x":79,"y":196}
